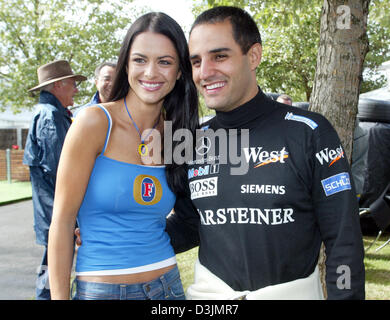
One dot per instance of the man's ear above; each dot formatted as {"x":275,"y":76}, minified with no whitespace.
{"x":57,"y":84}
{"x":254,"y":54}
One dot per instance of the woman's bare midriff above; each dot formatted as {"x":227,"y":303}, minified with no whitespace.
{"x":128,"y":278}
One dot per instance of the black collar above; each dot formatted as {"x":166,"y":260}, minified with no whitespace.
{"x":245,"y":116}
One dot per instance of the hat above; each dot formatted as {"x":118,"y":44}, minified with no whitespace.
{"x":55,"y":71}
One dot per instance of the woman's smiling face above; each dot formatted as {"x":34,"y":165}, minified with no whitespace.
{"x":153,"y":67}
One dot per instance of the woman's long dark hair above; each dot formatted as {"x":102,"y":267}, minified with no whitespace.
{"x":181,"y":104}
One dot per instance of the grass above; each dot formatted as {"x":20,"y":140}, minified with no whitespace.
{"x":10,"y":192}
{"x":377,"y":268}
{"x":185,"y":262}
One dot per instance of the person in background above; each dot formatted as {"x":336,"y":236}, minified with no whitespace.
{"x":50,"y":123}
{"x":104,"y":76}
{"x":284,"y":98}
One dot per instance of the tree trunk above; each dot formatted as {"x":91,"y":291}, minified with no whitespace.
{"x":342,"y":49}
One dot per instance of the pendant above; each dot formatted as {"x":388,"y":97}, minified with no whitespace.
{"x":143,"y":149}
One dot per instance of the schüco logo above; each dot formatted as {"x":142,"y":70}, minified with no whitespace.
{"x":330,"y":156}
{"x":337,"y":183}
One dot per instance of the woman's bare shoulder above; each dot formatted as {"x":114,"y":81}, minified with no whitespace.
{"x":92,"y":116}
{"x":89,"y":128}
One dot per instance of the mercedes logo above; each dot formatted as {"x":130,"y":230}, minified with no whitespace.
{"x":204,"y":144}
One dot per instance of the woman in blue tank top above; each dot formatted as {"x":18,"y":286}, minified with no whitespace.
{"x":111,"y":176}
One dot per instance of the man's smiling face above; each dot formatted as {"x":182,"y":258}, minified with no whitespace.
{"x":221,"y":72}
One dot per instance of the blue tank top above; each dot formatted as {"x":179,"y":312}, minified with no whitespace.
{"x":122,"y":218}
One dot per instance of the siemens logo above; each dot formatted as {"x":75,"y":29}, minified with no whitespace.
{"x":263,"y":188}
{"x":336,"y":183}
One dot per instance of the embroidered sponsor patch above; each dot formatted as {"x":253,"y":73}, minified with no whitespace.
{"x":294,"y":117}
{"x":147,"y":190}
{"x":330,"y":156}
{"x":203,"y":171}
{"x":336,"y":183}
{"x":204,"y":188}
{"x":262,"y":157}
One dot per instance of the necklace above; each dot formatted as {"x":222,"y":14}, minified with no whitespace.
{"x":142,"y":147}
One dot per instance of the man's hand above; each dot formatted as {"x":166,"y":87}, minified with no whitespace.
{"x":78,"y":236}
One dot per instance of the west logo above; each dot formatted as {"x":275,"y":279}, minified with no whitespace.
{"x":262,"y":157}
{"x":330,"y":156}
{"x":147,"y":190}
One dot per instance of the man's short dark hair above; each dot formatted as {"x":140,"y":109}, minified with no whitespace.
{"x":100,"y":67}
{"x":245,"y":31}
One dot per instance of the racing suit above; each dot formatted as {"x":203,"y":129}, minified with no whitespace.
{"x":265,"y":224}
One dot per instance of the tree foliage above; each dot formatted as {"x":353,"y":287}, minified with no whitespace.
{"x":35,"y":32}
{"x":290,"y":34}
{"x":378,"y":31}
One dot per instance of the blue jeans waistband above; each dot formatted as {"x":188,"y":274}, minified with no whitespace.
{"x":166,"y":287}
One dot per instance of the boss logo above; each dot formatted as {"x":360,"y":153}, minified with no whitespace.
{"x":204,"y":188}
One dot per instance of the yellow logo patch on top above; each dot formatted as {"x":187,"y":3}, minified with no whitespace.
{"x":147,"y":190}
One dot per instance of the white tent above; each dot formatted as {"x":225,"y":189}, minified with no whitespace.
{"x":10,"y":120}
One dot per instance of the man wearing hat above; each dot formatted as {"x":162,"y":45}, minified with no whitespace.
{"x":50,"y":123}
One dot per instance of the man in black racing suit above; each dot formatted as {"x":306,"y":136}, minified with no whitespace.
{"x":260,"y":221}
